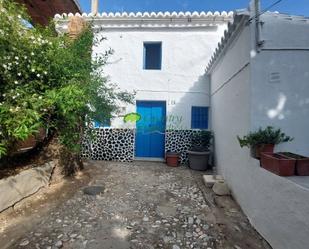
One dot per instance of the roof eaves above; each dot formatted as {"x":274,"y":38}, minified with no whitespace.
{"x":156,"y":15}
{"x":285,"y":16}
{"x":240,"y":19}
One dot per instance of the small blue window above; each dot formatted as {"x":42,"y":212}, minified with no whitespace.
{"x":105,"y":124}
{"x":152,"y":55}
{"x":199,"y":117}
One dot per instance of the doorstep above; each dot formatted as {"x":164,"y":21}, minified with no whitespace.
{"x":149,"y":159}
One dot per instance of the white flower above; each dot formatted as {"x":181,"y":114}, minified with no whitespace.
{"x":32,"y":53}
{"x":25,"y":57}
{"x":16,"y":82}
{"x":45,"y":72}
{"x":5,"y":66}
{"x":16,"y":57}
{"x":32,"y":70}
{"x":38,"y":75}
{"x":40,"y":97}
{"x":14,"y":97}
{"x":19,"y":74}
{"x":4,"y":95}
{"x":19,"y":16}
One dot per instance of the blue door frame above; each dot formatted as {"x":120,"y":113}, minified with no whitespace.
{"x":150,"y":129}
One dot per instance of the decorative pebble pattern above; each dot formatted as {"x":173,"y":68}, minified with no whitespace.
{"x":118,"y":144}
{"x":179,"y":141}
{"x":110,"y":145}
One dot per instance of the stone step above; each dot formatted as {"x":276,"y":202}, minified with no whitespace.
{"x":210,"y":180}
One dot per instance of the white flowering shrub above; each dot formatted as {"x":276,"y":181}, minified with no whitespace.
{"x":48,"y":81}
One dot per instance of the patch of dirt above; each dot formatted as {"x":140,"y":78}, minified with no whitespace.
{"x":66,"y":163}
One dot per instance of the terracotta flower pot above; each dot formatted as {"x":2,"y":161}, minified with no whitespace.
{"x":172,"y":159}
{"x":302,"y":163}
{"x":258,"y":149}
{"x":278,"y":164}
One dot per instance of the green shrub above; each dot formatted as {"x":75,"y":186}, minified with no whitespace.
{"x":269,"y":135}
{"x":201,"y":140}
{"x":50,"y":81}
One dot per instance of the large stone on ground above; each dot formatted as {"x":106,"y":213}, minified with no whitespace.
{"x":93,"y":190}
{"x":210,"y":180}
{"x":15,"y":188}
{"x":221,"y":188}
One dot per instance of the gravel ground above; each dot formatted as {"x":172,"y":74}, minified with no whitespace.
{"x":142,"y":205}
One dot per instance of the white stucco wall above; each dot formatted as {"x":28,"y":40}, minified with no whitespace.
{"x":276,"y":206}
{"x":230,"y":103}
{"x":283,"y":103}
{"x":181,"y":82}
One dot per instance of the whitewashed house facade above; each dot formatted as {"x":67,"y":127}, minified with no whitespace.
{"x":162,"y":57}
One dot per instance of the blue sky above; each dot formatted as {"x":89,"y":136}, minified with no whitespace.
{"x":299,"y":7}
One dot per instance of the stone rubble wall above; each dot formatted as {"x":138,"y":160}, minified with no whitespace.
{"x":16,"y":188}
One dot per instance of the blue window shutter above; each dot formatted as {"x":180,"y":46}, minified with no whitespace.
{"x":199,"y":117}
{"x":106,"y":123}
{"x":152,"y":55}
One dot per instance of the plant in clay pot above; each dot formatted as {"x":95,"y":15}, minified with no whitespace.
{"x":199,"y":152}
{"x":263,"y":140}
{"x":172,"y":159}
{"x":278,"y":163}
{"x":302,"y":163}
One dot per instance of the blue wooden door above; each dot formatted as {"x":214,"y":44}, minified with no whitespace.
{"x":150,"y":129}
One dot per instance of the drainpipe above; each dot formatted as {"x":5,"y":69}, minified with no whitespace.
{"x":256,"y":12}
{"x":94,"y":7}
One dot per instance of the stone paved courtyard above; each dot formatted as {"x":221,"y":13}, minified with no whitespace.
{"x":143,"y":205}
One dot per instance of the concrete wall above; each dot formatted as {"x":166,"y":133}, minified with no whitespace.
{"x":28,"y":182}
{"x":249,"y":97}
{"x":284,"y":102}
{"x":181,"y":82}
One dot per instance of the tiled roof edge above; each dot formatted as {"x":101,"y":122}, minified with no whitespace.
{"x":228,"y":37}
{"x":166,"y":14}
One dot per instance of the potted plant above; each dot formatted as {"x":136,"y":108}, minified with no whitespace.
{"x":278,"y":163}
{"x":199,"y":151}
{"x":263,"y":140}
{"x":302,"y":163}
{"x":172,"y":159}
